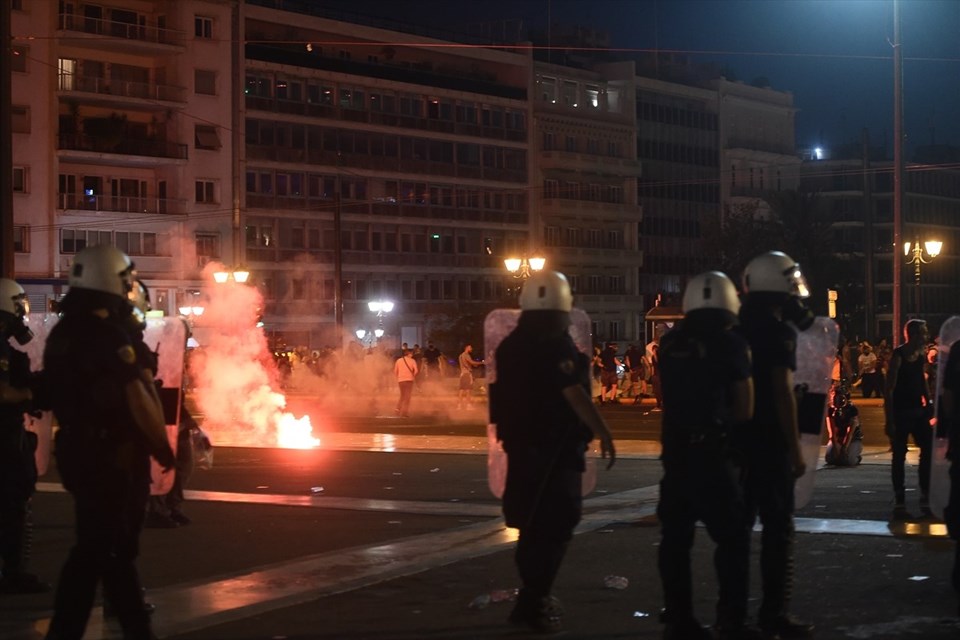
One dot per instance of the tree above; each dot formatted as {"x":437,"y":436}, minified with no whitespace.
{"x":739,"y":236}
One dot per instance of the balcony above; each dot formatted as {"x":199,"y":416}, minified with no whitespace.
{"x":342,"y":114}
{"x":119,"y":35}
{"x":120,"y":93}
{"x":118,"y":204}
{"x":81,"y":148}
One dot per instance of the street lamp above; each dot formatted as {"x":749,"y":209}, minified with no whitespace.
{"x":240,"y":275}
{"x":524,"y":267}
{"x":361,"y":333}
{"x":933,"y":248}
{"x":380,"y":307}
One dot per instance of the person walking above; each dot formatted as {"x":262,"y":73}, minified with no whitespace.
{"x":609,"y":363}
{"x":18,"y":467}
{"x":908,"y":408}
{"x":111,"y":422}
{"x":774,"y":288}
{"x":467,"y":365}
{"x":871,"y":381}
{"x":707,"y":383}
{"x":405,"y":370}
{"x":545,"y":419}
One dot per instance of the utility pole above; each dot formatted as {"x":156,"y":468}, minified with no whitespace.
{"x":870,"y":325}
{"x":897,"y":170}
{"x":6,"y":145}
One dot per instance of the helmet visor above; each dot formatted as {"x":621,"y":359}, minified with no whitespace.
{"x":22,"y":305}
{"x":796,"y":281}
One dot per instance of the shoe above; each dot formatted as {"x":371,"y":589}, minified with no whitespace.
{"x":156,"y":520}
{"x":543,"y":615}
{"x":23,"y":583}
{"x":785,"y":627}
{"x":180,"y":517}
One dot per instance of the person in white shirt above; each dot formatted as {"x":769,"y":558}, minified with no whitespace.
{"x":405,"y":370}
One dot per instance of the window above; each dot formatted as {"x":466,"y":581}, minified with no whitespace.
{"x":18,"y":61}
{"x":20,"y":180}
{"x":21,"y":239}
{"x":570,"y":144}
{"x":203,"y":27}
{"x":66,"y":72}
{"x":208,"y":247}
{"x":206,"y":191}
{"x":205,"y":137}
{"x":20,"y":119}
{"x":205,"y":82}
{"x":593,"y":96}
{"x":72,"y":240}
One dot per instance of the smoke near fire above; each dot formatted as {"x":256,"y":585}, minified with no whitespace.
{"x":234,"y":378}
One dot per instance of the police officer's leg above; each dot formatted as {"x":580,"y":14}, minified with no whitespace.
{"x":121,"y":582}
{"x":773,"y":484}
{"x":721,"y":508}
{"x":546,"y":500}
{"x":76,"y":589}
{"x":677,"y":525}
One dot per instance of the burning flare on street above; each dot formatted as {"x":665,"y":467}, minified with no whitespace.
{"x":234,"y":376}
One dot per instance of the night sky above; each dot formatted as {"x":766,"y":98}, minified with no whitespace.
{"x":834,"y":55}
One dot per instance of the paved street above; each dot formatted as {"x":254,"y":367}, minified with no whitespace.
{"x":389,"y":531}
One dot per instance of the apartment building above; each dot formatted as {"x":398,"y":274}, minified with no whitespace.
{"x":859,"y":196}
{"x":119,"y":137}
{"x":416,"y":150}
{"x":585,"y":189}
{"x":706,"y":144}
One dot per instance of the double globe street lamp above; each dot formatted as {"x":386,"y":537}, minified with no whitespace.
{"x":915,"y":248}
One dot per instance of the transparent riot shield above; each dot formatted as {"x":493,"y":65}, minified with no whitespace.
{"x":497,"y":326}
{"x":816,"y":353}
{"x":940,"y":467}
{"x":168,"y":338}
{"x":42,"y":423}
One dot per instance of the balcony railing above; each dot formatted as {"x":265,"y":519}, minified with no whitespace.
{"x":123,"y":89}
{"x":114,"y":29}
{"x":119,"y":204}
{"x":122,"y":146}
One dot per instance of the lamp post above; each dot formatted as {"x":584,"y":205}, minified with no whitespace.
{"x":380,"y":307}
{"x":238,"y":274}
{"x":524,"y":267}
{"x":914,"y":251}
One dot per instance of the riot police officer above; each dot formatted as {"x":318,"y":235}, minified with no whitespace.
{"x":775,"y":289}
{"x":545,"y":418}
{"x":950,"y":420}
{"x":111,"y":421}
{"x":707,"y":395}
{"x":18,"y":468}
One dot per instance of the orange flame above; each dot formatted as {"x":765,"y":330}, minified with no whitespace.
{"x":295,"y":433}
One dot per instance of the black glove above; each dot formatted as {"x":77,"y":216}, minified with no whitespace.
{"x":165,"y":457}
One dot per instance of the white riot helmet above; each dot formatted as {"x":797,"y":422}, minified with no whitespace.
{"x":13,"y":299}
{"x":546,"y":291}
{"x":775,"y":272}
{"x":102,"y":268}
{"x":711,"y":290}
{"x":13,"y":302}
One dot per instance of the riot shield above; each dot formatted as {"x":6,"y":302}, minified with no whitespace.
{"x":816,"y":353}
{"x":168,"y":338}
{"x":41,"y":424}
{"x":940,"y":467}
{"x":497,"y":326}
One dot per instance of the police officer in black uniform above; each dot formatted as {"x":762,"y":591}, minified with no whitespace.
{"x":18,"y":468}
{"x":545,"y":418}
{"x":111,"y":421}
{"x":950,"y":421}
{"x":707,"y":396}
{"x":775,"y":288}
